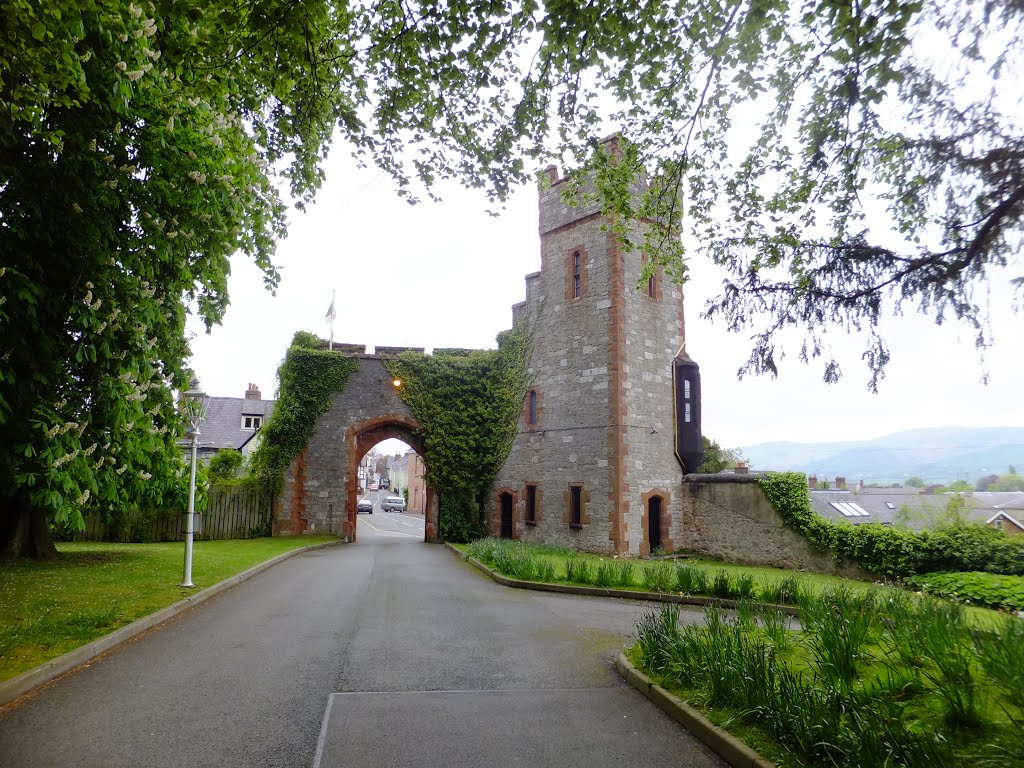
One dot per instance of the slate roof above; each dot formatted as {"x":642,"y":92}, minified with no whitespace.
{"x":222,"y":426}
{"x":981,"y":505}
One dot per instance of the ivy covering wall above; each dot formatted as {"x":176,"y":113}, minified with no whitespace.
{"x":307,"y":381}
{"x":890,"y":551}
{"x":468,"y":407}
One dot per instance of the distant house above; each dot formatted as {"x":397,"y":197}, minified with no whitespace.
{"x":910,"y":507}
{"x":234,"y":422}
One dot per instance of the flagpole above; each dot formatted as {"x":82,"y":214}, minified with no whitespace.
{"x":330,"y":343}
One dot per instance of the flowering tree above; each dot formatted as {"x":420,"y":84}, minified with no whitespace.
{"x":135,"y":147}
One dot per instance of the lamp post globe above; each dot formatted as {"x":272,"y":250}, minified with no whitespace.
{"x":194,"y":402}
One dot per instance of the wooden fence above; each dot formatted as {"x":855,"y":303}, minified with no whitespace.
{"x":233,"y":512}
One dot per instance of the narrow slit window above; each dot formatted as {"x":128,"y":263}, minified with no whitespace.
{"x":531,"y":504}
{"x":576,"y":506}
{"x":686,"y":413}
{"x":651,"y":287}
{"x":686,"y":388}
{"x":531,"y":407}
{"x":577,"y":282}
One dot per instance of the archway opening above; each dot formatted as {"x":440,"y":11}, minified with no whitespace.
{"x":387,"y":494}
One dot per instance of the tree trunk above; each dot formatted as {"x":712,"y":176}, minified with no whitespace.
{"x":25,"y":531}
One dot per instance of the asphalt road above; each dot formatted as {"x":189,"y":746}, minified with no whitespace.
{"x":386,"y":652}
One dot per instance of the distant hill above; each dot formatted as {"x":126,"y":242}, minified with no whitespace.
{"x":937,"y":455}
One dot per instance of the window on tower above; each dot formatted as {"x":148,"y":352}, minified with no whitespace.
{"x":577,"y":276}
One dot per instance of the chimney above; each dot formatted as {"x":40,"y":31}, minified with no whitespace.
{"x":840,"y":483}
{"x":812,"y":482}
{"x":253,"y":393}
{"x":552,"y":173}
{"x":741,"y":468}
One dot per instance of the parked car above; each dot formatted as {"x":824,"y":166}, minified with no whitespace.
{"x":373,"y":486}
{"x":393,"y":504}
{"x":364,"y":505}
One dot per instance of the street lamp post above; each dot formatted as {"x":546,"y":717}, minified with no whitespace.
{"x":195,"y":408}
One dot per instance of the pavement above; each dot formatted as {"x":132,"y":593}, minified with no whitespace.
{"x":385,"y":652}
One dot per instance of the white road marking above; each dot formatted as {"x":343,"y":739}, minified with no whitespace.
{"x":318,"y":755}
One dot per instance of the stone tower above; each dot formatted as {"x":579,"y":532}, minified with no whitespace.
{"x":594,"y":463}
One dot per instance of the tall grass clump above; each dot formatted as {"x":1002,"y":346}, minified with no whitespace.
{"x":838,"y":626}
{"x":722,"y":586}
{"x":746,"y":615}
{"x":787,"y":591}
{"x":691,"y":580}
{"x":837,"y":693}
{"x":545,"y":571}
{"x":658,"y":578}
{"x":578,"y":571}
{"x":1002,"y":657}
{"x":948,"y":646}
{"x":624,"y":576}
{"x":604,"y":575}
{"x":745,"y":587}
{"x":774,"y":623}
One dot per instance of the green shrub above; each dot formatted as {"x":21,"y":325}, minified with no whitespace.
{"x":974,"y":588}
{"x":460,"y":518}
{"x":893,"y":552}
{"x":225,"y":465}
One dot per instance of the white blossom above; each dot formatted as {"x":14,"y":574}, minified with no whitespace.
{"x":83,"y":498}
{"x":134,"y":10}
{"x":120,"y":470}
{"x":122,"y":65}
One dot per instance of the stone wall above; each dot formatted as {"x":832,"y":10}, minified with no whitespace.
{"x":727,"y":517}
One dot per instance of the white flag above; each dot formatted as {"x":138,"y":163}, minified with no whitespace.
{"x":331,"y":314}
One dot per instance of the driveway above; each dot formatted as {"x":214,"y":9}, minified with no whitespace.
{"x":386,"y":652}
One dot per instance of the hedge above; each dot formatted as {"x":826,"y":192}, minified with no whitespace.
{"x":893,"y":552}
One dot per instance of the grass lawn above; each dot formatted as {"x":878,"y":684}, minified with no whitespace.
{"x":92,"y":589}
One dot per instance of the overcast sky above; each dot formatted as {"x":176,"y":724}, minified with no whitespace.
{"x":446,"y":275}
